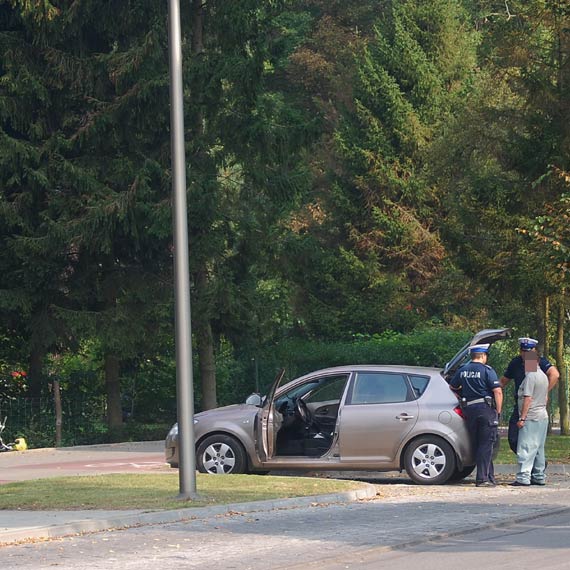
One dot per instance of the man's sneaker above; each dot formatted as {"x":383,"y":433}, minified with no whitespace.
{"x":541,"y":483}
{"x":519,"y":484}
{"x":485,"y":484}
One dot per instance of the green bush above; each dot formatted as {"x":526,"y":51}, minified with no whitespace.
{"x":145,"y":432}
{"x":432,"y":347}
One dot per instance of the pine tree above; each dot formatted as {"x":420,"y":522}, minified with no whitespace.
{"x":91,"y":181}
{"x":372,"y":247}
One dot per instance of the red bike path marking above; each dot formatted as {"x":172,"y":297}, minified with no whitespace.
{"x":148,"y":462}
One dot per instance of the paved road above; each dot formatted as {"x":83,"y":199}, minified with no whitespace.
{"x":342,"y":534}
{"x":541,"y":543}
{"x":82,"y":460}
{"x":330,"y":536}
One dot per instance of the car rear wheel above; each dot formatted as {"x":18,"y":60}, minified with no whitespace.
{"x":221,"y":455}
{"x":429,"y":460}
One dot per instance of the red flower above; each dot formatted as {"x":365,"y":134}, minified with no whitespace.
{"x":18,"y":374}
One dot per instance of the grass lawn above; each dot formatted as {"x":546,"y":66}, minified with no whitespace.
{"x":557,"y":450}
{"x":157,"y":491}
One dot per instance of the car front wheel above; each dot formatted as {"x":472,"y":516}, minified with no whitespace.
{"x":221,"y":455}
{"x":429,"y":460}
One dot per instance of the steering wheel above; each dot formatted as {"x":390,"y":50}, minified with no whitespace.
{"x":303,"y":411}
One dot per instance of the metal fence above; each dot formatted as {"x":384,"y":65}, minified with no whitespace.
{"x":83,"y":420}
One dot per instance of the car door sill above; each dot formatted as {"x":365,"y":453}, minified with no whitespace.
{"x":302,"y":462}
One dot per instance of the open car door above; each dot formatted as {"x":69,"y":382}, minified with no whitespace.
{"x":268,"y":421}
{"x":487,"y":336}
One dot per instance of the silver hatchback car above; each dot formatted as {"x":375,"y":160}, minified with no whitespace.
{"x":362,"y":417}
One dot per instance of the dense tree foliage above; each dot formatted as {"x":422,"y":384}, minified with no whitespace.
{"x":353,"y":168}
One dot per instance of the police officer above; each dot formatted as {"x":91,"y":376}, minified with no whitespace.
{"x":515,"y":371}
{"x":482,"y":399}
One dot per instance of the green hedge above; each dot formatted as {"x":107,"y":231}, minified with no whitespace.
{"x":423,"y":348}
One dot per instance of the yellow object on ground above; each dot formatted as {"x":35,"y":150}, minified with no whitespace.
{"x":20,"y":444}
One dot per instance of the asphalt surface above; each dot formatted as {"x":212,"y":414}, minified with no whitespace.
{"x":82,"y":460}
{"x":388,"y":507}
{"x":350,"y":534}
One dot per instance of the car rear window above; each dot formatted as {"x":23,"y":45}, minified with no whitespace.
{"x":419,"y":384}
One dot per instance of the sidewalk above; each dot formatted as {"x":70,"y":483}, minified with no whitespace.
{"x":22,"y":526}
{"x":389,"y":488}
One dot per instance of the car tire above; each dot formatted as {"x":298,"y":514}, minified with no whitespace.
{"x":429,"y":460}
{"x":221,"y":455}
{"x":461,"y":474}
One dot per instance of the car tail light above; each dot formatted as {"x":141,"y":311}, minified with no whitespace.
{"x":459,"y":411}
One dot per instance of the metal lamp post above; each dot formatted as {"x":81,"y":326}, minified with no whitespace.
{"x":183,"y":334}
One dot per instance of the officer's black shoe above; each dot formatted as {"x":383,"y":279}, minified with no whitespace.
{"x":519,"y":484}
{"x":540,"y":483}
{"x":485,"y":484}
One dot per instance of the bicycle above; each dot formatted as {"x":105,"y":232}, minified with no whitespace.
{"x":18,"y":445}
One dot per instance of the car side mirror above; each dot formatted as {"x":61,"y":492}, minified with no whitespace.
{"x":254,"y":400}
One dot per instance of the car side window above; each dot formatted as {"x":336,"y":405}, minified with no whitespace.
{"x":330,"y":389}
{"x":379,"y":388}
{"x":419,"y":384}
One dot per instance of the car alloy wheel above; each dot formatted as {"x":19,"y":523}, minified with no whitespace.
{"x":429,"y":460}
{"x":221,"y":455}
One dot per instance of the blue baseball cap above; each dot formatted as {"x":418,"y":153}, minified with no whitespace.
{"x":479,"y":348}
{"x":527,"y":343}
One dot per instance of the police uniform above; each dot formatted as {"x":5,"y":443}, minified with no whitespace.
{"x":476,"y":381}
{"x":515,"y":371}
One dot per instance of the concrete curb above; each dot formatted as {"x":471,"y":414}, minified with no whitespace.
{"x":116,"y":522}
{"x":552,"y":469}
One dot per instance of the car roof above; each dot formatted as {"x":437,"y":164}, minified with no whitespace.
{"x":375,"y":368}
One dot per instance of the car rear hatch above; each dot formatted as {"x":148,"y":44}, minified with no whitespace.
{"x":487,"y":336}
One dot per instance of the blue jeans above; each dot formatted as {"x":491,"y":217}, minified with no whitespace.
{"x":530,"y":451}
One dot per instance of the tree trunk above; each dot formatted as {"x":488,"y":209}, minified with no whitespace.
{"x":205,"y":343}
{"x":58,"y":412}
{"x":204,"y":336}
{"x":207,"y":366}
{"x":544,"y":337}
{"x":563,"y":382}
{"x":542,"y":324}
{"x":197,"y":26}
{"x":113,"y":391}
{"x":35,"y":378}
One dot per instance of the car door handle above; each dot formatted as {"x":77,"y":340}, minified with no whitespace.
{"x":405,"y":416}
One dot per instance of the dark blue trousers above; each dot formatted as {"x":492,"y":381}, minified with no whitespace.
{"x":483,"y":426}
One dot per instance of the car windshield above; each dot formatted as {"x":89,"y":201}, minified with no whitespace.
{"x":296,"y":392}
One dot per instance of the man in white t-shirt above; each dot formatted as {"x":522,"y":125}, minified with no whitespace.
{"x":532,"y":424}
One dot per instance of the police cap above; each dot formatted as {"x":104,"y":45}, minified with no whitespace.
{"x":527,"y":343}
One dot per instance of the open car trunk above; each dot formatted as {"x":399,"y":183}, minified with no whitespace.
{"x":487,"y":336}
